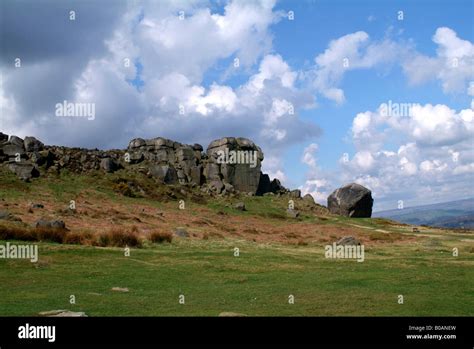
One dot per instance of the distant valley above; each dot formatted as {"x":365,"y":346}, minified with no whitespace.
{"x":453,"y":214}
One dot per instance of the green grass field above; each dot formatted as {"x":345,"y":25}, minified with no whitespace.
{"x":258,"y":282}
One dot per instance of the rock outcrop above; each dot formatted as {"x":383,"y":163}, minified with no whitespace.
{"x":236,"y":161}
{"x":228,"y":165}
{"x":171,"y":162}
{"x":352,"y":200}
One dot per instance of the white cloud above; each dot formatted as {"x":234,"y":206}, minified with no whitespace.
{"x":433,"y":165}
{"x":440,"y":125}
{"x":272,"y":67}
{"x":317,"y":181}
{"x":470,"y":89}
{"x":363,"y":161}
{"x":407,"y":168}
{"x":361,"y":124}
{"x":192,"y":45}
{"x":175,"y":55}
{"x":468,"y":168}
{"x":331,"y":65}
{"x":349,"y":52}
{"x":272,"y":165}
{"x":434,"y":160}
{"x":452,"y":65}
{"x":309,"y":155}
{"x":317,"y":188}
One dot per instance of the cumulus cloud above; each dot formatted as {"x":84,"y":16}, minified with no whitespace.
{"x":453,"y":64}
{"x":145,"y":68}
{"x":309,"y":155}
{"x":434,"y":160}
{"x":317,"y":183}
{"x":349,"y":52}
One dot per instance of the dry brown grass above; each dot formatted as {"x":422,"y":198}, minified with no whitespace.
{"x":291,"y":235}
{"x":50,"y":234}
{"x":301,"y":242}
{"x":25,"y":233}
{"x":119,"y":237}
{"x":8,"y":232}
{"x":160,"y":237}
{"x":79,"y":238}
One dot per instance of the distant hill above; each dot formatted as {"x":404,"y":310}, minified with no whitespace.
{"x":453,"y":214}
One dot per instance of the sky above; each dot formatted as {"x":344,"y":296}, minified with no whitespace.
{"x":374,"y":92}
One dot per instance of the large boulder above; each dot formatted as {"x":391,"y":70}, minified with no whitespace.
{"x":109,"y":165}
{"x":276,"y":187}
{"x":32,"y":144}
{"x":25,"y":171}
{"x":3,"y":137}
{"x":12,"y":150}
{"x":352,"y":200}
{"x":157,"y":150}
{"x":295,"y":194}
{"x":160,"y":142}
{"x":309,"y":199}
{"x":44,"y":157}
{"x":16,"y":141}
{"x":197,"y":147}
{"x":263,"y":184}
{"x":136,"y":143}
{"x":239,"y":161}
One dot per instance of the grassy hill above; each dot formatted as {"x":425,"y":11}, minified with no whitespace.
{"x":278,"y":256}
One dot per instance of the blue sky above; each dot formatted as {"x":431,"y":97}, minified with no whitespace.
{"x":421,"y":158}
{"x":318,"y":22}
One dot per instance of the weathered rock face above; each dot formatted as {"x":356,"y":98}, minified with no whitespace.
{"x":24,"y":170}
{"x":32,"y":144}
{"x":295,"y":194}
{"x":173,"y":162}
{"x":109,"y":165}
{"x":165,"y":173}
{"x":229,"y":165}
{"x":236,"y":161}
{"x":309,"y":199}
{"x":352,"y":200}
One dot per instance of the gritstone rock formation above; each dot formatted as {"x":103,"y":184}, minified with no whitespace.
{"x":229,"y":164}
{"x":352,"y":200}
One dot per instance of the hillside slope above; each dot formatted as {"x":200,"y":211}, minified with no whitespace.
{"x":229,"y":260}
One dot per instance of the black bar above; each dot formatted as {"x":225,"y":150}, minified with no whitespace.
{"x":321,"y":332}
